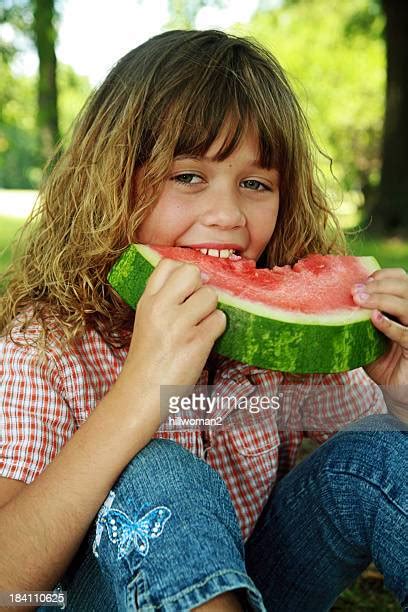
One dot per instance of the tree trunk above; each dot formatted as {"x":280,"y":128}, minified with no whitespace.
{"x":390,"y":214}
{"x":45,"y":38}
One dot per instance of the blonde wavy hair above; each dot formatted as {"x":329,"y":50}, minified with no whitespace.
{"x":171,"y":95}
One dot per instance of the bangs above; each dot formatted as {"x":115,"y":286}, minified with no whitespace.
{"x":195,"y":139}
{"x":232,"y":111}
{"x":208,"y":86}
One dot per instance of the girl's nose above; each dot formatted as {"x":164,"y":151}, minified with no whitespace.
{"x":223,"y":210}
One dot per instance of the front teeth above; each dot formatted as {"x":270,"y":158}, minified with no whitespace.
{"x":223,"y":253}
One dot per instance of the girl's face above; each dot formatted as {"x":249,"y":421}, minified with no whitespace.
{"x":209,"y":204}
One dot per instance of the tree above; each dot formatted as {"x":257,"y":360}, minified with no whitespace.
{"x":45,"y":35}
{"x":36,"y":20}
{"x":385,"y":197}
{"x":18,"y":141}
{"x":21,"y":152}
{"x":327,"y":56}
{"x":19,"y":164}
{"x":390,"y":212}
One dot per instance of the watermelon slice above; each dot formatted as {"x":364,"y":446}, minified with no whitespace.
{"x":298,"y":319}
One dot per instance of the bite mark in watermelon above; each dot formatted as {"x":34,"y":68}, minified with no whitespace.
{"x":299,"y":319}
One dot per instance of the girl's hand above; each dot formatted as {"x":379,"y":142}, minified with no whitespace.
{"x":386,"y":290}
{"x":176,"y":325}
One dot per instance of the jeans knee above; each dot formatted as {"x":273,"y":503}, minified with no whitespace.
{"x":379,"y":423}
{"x":373,"y":449}
{"x":166,"y":473}
{"x":164,"y":462}
{"x":364,"y":468}
{"x":166,"y":498}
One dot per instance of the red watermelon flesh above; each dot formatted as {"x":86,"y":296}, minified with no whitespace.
{"x":315,"y":283}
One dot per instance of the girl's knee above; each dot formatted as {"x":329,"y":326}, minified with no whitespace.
{"x":379,"y":423}
{"x":165,"y":463}
{"x":363,"y":490}
{"x":376,"y":444}
{"x":364,"y":467}
{"x":164,"y":474}
{"x":166,"y":501}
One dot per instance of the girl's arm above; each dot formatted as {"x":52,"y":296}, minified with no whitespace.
{"x":43,"y":526}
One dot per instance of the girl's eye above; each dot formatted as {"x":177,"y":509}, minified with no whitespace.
{"x":255,"y":185}
{"x":187,"y":178}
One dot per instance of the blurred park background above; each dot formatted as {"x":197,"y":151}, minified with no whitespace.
{"x":347,"y":61}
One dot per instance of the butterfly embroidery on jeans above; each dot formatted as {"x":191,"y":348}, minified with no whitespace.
{"x":127,"y":533}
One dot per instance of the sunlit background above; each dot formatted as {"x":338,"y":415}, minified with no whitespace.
{"x":334,"y":52}
{"x":91,"y":35}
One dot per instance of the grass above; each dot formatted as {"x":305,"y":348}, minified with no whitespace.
{"x":390,"y":253}
{"x":366,"y":594}
{"x":8,"y":229}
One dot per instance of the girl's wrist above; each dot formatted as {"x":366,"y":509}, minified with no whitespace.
{"x":136,"y":400}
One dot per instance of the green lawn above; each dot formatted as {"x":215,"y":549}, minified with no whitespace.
{"x":391,"y":253}
{"x":365,"y":594}
{"x":8,"y":228}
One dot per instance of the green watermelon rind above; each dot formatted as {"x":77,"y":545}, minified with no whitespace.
{"x":288,"y":342}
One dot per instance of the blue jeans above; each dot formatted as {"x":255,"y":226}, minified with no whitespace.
{"x":167,"y":537}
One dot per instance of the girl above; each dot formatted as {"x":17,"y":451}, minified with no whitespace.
{"x":194,"y":139}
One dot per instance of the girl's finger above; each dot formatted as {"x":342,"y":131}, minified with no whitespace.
{"x":160,"y":274}
{"x":393,"y":330}
{"x":389,"y":304}
{"x":390,"y":286}
{"x":388,"y":273}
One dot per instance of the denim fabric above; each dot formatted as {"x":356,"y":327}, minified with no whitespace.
{"x":167,"y":538}
{"x":175,"y":542}
{"x":342,"y":507}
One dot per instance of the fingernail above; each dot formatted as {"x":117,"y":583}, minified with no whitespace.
{"x":378,"y":316}
{"x":359,"y":287}
{"x":362,"y":296}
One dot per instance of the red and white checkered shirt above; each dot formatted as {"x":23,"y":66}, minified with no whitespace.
{"x":43,"y":403}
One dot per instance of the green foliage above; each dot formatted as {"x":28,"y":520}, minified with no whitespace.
{"x":334,"y":55}
{"x":366,"y":20}
{"x":73,"y":90}
{"x":18,"y":15}
{"x":18,"y":139}
{"x":9,"y":232}
{"x":390,"y":252}
{"x":20,"y":159}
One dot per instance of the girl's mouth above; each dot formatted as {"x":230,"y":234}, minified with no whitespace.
{"x":220,"y":253}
